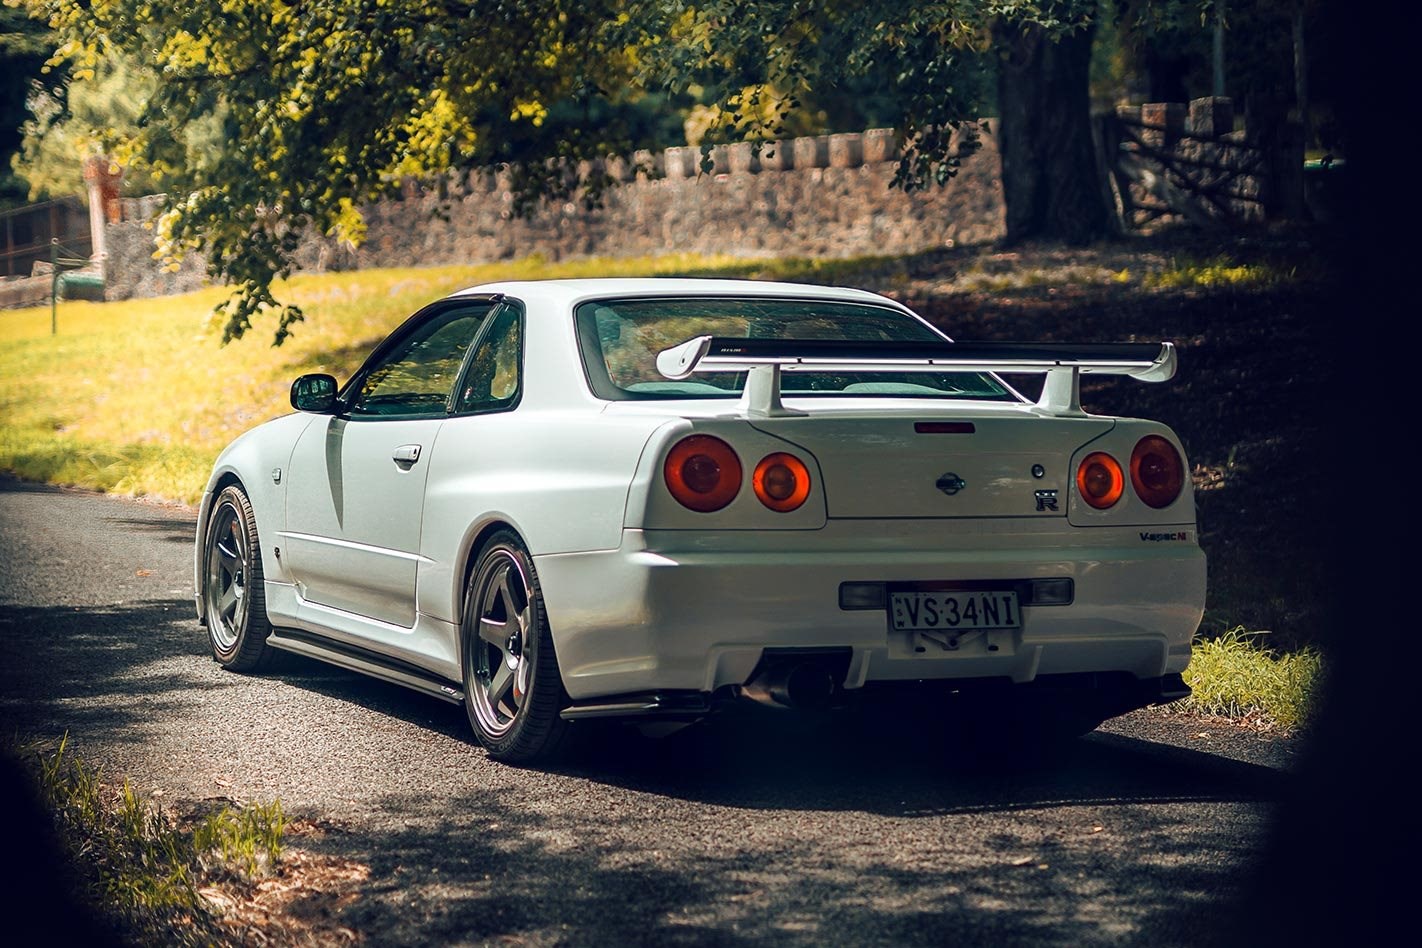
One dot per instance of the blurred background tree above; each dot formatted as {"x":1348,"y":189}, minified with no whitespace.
{"x":263,"y":121}
{"x":95,"y":114}
{"x":25,"y":45}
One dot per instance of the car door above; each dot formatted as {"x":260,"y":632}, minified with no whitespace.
{"x":356,"y":480}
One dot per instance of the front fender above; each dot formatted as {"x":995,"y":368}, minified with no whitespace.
{"x":257,"y":460}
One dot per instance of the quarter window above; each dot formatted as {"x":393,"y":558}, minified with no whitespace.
{"x":492,"y":381}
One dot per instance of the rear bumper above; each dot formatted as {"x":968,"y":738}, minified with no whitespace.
{"x":694,"y":611}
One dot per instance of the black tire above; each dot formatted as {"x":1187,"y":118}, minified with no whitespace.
{"x":234,"y":597}
{"x":513,"y":693}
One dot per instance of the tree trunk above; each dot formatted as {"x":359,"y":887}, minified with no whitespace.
{"x":1051,"y":180}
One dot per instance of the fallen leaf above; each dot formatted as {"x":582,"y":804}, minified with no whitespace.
{"x":143,"y":572}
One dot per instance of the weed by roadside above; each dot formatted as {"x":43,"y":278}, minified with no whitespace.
{"x":139,"y":869}
{"x":1235,"y":675}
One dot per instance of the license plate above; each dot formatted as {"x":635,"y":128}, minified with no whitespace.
{"x":955,"y":609}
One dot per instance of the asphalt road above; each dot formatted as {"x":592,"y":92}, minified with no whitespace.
{"x":746,"y":833}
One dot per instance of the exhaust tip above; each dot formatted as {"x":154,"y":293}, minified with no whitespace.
{"x":809,"y":685}
{"x":797,"y":685}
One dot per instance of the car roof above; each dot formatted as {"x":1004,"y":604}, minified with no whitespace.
{"x":568,"y":293}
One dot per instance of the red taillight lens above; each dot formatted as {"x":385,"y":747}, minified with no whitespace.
{"x":781,"y":481}
{"x":1099,"y":480}
{"x":1157,"y":472}
{"x":702,"y":473}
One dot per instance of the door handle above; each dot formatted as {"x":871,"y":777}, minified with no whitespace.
{"x":407,"y":454}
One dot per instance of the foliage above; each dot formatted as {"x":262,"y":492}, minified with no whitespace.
{"x":79,"y":119}
{"x":326,"y":105}
{"x":138,"y":865}
{"x":1236,"y":676}
{"x":25,"y":45}
{"x":761,"y":63}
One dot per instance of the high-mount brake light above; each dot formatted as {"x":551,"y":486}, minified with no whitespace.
{"x":1099,"y":480}
{"x":702,"y":473}
{"x":1157,"y":471}
{"x":781,"y":481}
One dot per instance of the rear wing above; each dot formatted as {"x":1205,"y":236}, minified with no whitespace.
{"x":1063,"y":363}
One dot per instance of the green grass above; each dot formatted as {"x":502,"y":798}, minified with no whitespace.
{"x":140,"y":870}
{"x":138,"y":397}
{"x":1237,"y":676}
{"x":1216,"y":272}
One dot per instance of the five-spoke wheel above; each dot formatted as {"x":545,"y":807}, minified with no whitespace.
{"x":512,"y":691}
{"x":234,"y":599}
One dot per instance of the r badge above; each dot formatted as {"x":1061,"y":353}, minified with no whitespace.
{"x":1046,"y":500}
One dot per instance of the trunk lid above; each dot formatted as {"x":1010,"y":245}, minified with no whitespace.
{"x":978,"y":464}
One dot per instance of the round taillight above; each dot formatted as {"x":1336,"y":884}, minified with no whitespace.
{"x":702,"y":473}
{"x":781,"y":481}
{"x":1157,"y":472}
{"x":1099,"y":480}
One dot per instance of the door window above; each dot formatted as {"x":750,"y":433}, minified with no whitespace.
{"x":417,"y":376}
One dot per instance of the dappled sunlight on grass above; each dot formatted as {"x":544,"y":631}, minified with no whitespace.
{"x":1221,"y":271}
{"x":138,"y":397}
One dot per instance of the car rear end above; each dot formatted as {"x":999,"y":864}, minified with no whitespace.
{"x":858,"y":535}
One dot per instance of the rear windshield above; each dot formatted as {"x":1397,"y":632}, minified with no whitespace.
{"x":620,"y":340}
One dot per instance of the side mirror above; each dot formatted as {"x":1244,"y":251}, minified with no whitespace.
{"x":314,"y":393}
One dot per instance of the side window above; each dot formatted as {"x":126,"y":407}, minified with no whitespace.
{"x":492,"y":382}
{"x":417,"y":376}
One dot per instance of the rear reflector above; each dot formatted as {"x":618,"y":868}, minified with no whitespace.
{"x":1049,"y":592}
{"x":944,"y":427}
{"x":861,"y":596}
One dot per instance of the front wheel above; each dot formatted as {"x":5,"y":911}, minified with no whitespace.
{"x":234,"y":598}
{"x":513,"y":693}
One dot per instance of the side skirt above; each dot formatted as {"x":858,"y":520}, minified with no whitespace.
{"x":366,"y":662}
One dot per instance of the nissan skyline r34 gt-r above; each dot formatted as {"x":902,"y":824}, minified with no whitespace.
{"x":574,"y":499}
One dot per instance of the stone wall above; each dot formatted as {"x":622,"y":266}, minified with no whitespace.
{"x":826,"y":196}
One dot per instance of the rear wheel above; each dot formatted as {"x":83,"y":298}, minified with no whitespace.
{"x":513,"y":693}
{"x":234,"y":598}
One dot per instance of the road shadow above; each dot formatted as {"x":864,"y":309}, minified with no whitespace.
{"x":13,"y":485}
{"x":752,"y":761}
{"x":745,"y":831}
{"x":164,"y":528}
{"x":814,"y":841}
{"x":394,"y":701}
{"x":109,"y":671}
{"x":100,"y":670}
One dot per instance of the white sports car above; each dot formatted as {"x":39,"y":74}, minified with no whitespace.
{"x":562,"y":500}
